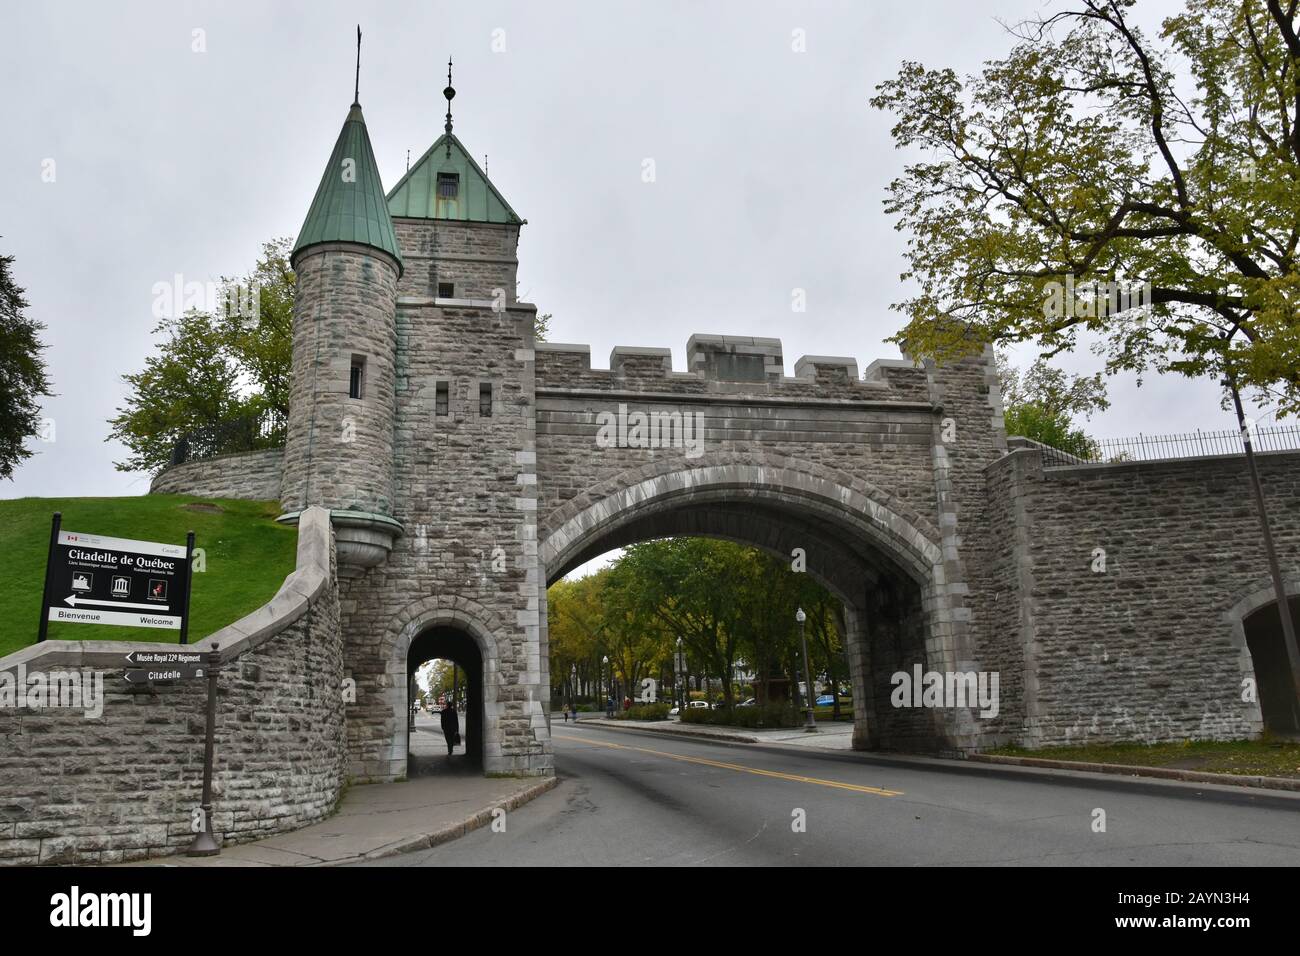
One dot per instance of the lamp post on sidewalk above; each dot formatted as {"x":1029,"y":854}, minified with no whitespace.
{"x":609,"y":685}
{"x":810,"y":725}
{"x":681,"y":674}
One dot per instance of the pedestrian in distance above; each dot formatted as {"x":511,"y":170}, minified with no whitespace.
{"x":450,"y":721}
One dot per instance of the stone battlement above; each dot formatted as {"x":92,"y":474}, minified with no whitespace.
{"x":729,"y":364}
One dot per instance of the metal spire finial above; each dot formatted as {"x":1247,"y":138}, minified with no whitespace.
{"x":356,"y":90}
{"x":450,"y":94}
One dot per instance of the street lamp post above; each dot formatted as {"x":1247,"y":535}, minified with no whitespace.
{"x":609,"y":683}
{"x":681,"y":674}
{"x":810,"y":725}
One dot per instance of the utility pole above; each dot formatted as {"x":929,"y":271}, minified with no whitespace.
{"x":1275,"y":570}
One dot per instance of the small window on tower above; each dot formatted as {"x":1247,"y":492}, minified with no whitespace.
{"x":440,"y":399}
{"x":357,"y":377}
{"x":448,"y":196}
{"x":485,"y":399}
{"x":446,"y":290}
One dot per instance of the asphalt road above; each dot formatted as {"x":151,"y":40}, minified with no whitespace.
{"x":631,"y":799}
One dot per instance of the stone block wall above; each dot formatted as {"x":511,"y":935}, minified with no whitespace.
{"x":250,"y":476}
{"x":124,"y":785}
{"x":1146,"y":649}
{"x":465,"y":491}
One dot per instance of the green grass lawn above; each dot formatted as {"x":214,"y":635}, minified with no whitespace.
{"x":1268,"y":757}
{"x":248,"y":557}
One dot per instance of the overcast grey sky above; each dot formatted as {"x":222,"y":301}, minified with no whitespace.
{"x":771,"y":168}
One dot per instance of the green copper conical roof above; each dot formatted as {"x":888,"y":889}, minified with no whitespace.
{"x":477,"y":200}
{"x":349,"y":204}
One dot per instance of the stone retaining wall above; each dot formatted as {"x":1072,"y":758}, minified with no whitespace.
{"x":1151,"y":647}
{"x":124,"y":785}
{"x":250,"y":476}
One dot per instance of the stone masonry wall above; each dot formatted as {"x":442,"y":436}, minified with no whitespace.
{"x":465,"y":490}
{"x":123,"y":785}
{"x":339,"y":450}
{"x":251,"y":476}
{"x":1141,"y":651}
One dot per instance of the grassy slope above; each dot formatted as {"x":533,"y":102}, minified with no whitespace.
{"x":248,"y":558}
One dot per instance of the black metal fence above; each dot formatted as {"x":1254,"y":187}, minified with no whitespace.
{"x":249,"y":433}
{"x":1169,"y":447}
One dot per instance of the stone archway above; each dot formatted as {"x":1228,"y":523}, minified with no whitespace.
{"x":872,"y":551}
{"x":449,"y":615}
{"x":1256,"y":630}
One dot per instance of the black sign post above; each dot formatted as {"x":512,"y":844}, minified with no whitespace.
{"x":49,"y":563}
{"x":189,"y":579}
{"x":205,"y":844}
{"x":96,"y":579}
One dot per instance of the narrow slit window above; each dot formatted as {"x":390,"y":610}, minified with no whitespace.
{"x":357,"y":377}
{"x":441,"y":399}
{"x":446,"y":290}
{"x":485,"y":399}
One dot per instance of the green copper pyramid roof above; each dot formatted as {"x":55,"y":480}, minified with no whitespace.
{"x":349,"y":204}
{"x":416,"y":194}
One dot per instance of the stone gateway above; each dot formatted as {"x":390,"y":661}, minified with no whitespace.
{"x":465,"y":466}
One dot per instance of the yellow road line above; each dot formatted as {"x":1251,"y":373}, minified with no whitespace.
{"x":796,"y":778}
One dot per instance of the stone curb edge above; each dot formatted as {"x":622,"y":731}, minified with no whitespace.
{"x":1160,"y":773}
{"x":647,"y":728}
{"x":480,"y":818}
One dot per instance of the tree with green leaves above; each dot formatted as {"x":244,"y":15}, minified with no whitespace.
{"x":23,"y":377}
{"x":1097,"y":180}
{"x":1140,"y":190}
{"x":220,"y":374}
{"x":1041,"y":403}
{"x":191,"y":383}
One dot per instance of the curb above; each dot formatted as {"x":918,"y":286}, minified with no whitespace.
{"x":480,"y":818}
{"x":1159,"y":773}
{"x":647,"y":728}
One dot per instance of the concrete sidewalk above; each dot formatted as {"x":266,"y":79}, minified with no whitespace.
{"x":377,"y":820}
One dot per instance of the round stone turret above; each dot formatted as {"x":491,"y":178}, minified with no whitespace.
{"x":339,"y":447}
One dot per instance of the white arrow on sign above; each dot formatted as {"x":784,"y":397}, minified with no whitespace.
{"x":73,"y":600}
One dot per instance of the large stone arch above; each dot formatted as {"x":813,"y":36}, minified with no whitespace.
{"x":898,"y":530}
{"x":855,"y":525}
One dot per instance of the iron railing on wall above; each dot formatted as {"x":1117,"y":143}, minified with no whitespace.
{"x":249,"y":433}
{"x":1169,"y":447}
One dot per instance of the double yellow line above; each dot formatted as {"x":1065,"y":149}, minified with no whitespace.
{"x":740,"y":768}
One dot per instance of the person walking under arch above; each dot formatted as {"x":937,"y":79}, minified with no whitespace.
{"x":450,"y":721}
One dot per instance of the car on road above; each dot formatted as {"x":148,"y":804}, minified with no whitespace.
{"x":698,"y":705}
{"x":751,"y":702}
{"x":825,"y":700}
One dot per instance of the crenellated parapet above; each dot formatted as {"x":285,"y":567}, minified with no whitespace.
{"x":729,"y":365}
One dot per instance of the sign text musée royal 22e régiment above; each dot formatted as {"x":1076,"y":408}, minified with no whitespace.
{"x":95,"y":579}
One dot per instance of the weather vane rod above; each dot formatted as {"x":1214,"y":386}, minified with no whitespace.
{"x":450,"y":93}
{"x":356,"y":90}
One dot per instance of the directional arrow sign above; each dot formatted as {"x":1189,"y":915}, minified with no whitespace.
{"x":180,"y":672}
{"x":73,"y":600}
